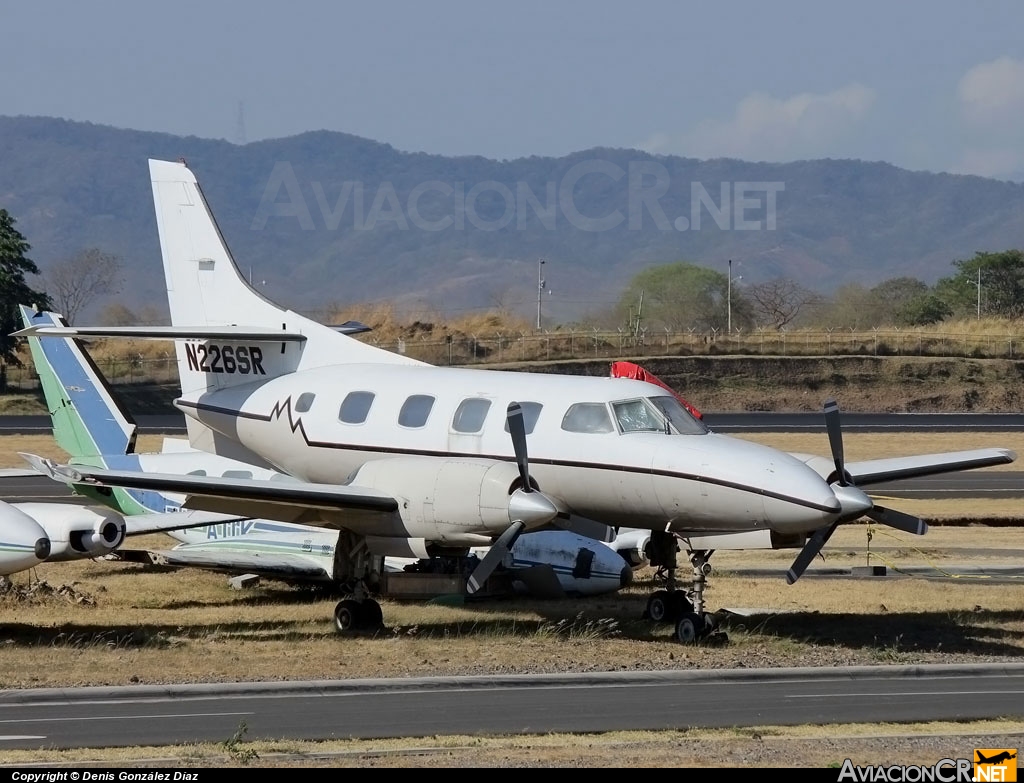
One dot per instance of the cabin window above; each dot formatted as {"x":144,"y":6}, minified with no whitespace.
{"x":587,"y":417}
{"x":238,"y":474}
{"x":355,"y":407}
{"x":638,"y":416}
{"x":305,"y":402}
{"x":682,"y":420}
{"x":415,"y":410}
{"x":470,"y":415}
{"x":531,"y":410}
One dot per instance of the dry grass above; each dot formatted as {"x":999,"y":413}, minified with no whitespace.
{"x":136,"y":624}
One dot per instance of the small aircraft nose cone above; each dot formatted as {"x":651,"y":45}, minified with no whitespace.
{"x":854,"y":502}
{"x":626,"y":576}
{"x":533,"y":509}
{"x":42,"y":548}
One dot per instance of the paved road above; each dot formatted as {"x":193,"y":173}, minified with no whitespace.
{"x":720,"y":422}
{"x":507,"y":705}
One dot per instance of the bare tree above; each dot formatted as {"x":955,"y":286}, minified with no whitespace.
{"x":77,"y":282}
{"x":779,"y":301}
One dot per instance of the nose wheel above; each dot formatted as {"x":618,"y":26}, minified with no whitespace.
{"x":683,"y":610}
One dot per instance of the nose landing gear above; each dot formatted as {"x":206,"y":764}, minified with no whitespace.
{"x":684,"y":610}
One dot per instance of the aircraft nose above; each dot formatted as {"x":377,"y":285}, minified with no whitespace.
{"x":24,"y":543}
{"x":626,"y":576}
{"x":796,"y":498}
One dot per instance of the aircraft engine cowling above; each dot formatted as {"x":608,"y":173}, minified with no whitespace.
{"x":23,"y":542}
{"x":459,"y":501}
{"x":77,"y":532}
{"x":634,"y":546}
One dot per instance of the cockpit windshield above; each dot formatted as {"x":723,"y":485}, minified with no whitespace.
{"x":638,"y":416}
{"x":682,"y":421}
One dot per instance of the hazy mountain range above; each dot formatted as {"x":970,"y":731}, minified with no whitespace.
{"x":326,"y":217}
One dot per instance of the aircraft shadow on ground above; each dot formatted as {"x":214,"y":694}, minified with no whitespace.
{"x":977,"y":633}
{"x":892,"y":637}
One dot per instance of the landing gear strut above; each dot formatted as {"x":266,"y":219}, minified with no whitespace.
{"x":684,"y":610}
{"x":357,"y":611}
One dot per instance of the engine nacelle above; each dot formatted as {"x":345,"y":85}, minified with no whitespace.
{"x":634,"y":546}
{"x":457,"y":501}
{"x":23,"y":542}
{"x":77,"y":532}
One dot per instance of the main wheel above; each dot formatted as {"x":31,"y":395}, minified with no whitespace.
{"x":346,"y":615}
{"x":658,"y":608}
{"x":688,"y":628}
{"x":372,"y":615}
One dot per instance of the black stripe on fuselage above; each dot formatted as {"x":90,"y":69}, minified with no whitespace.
{"x":267,"y":417}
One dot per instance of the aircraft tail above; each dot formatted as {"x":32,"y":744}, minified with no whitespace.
{"x":205,"y":289}
{"x":88,"y":420}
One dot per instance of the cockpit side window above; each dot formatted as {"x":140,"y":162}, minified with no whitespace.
{"x":587,"y":417}
{"x":682,"y":421}
{"x":637,"y":416}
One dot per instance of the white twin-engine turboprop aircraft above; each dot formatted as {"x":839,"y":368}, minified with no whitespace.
{"x":408,"y":459}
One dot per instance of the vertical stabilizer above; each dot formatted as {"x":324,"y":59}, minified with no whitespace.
{"x":205,"y":288}
{"x":88,"y":420}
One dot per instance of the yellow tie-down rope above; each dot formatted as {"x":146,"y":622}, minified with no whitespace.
{"x":873,"y":529}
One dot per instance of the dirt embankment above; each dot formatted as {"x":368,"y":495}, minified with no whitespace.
{"x":860,"y":383}
{"x":869,"y":384}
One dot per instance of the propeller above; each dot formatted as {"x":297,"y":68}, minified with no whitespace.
{"x":529,"y":509}
{"x":525,"y":502}
{"x":854,"y":503}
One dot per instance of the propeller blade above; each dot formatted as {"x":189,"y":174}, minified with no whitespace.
{"x":494,"y":556}
{"x":809,"y":552}
{"x":898,"y":520}
{"x":517,"y":429}
{"x":835,"y":438}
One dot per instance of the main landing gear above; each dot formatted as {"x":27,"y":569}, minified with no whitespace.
{"x":360,"y":573}
{"x":684,"y":610}
{"x":357,"y":612}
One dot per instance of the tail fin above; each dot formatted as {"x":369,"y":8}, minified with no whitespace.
{"x":88,"y":420}
{"x":205,"y":289}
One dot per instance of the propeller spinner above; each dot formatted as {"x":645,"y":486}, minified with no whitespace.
{"x":854,"y":502}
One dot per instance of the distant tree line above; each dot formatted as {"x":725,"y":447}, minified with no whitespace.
{"x":684,"y":295}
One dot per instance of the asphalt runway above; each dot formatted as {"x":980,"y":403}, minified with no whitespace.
{"x":507,"y":705}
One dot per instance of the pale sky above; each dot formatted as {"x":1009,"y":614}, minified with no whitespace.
{"x":924,"y":84}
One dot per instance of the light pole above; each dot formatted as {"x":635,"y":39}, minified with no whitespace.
{"x":540,"y":288}
{"x":979,"y":293}
{"x":728,"y":298}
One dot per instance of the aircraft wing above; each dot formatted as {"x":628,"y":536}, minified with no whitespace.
{"x":281,"y":565}
{"x":283,"y":499}
{"x":877,"y":471}
{"x":162,"y":522}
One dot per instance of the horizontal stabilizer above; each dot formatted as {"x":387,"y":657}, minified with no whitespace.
{"x":228,"y":333}
{"x":234,"y":495}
